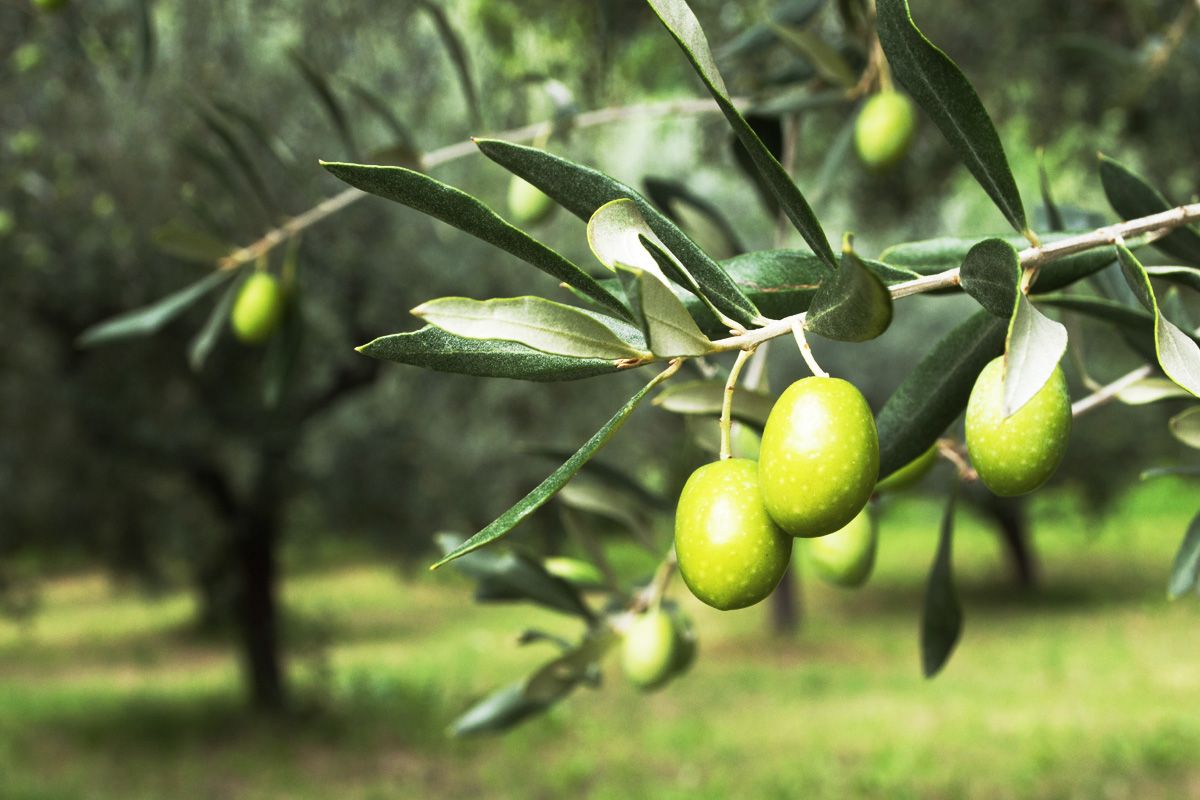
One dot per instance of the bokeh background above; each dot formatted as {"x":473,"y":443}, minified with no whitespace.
{"x":128,"y":481}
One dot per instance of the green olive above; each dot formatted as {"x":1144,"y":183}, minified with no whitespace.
{"x":649,"y":651}
{"x":527,"y":204}
{"x":1018,"y":454}
{"x":910,"y":474}
{"x":731,"y":555}
{"x":574,"y":571}
{"x":819,"y":458}
{"x":847,"y":556}
{"x":685,"y":643}
{"x":884,"y":129}
{"x":257,"y":309}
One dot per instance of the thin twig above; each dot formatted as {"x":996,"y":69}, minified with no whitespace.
{"x":1109,"y":391}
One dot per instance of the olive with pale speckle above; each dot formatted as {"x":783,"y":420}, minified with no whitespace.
{"x":1017,"y":455}
{"x":650,"y":649}
{"x":731,"y":555}
{"x":819,"y":458}
{"x":847,"y":556}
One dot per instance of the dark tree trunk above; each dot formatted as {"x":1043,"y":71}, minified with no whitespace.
{"x":785,"y":609}
{"x":258,"y":617}
{"x":1010,"y":516}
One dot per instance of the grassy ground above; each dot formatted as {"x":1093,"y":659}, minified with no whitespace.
{"x":1084,"y":689}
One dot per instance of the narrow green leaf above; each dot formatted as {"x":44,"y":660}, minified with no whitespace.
{"x":247,"y":166}
{"x":829,"y":63}
{"x":593,"y":496}
{"x":532,"y":321}
{"x":704,"y":398}
{"x":458,"y":55}
{"x":991,"y":273}
{"x":550,"y":486}
{"x":1034,"y":346}
{"x":936,"y":391}
{"x":383,"y":110}
{"x":150,"y":319}
{"x":1131,"y":196}
{"x":582,"y":190}
{"x":514,"y":576}
{"x":701,"y":219}
{"x":851,"y":305}
{"x":755,"y":38}
{"x":679,"y":20}
{"x":1185,"y":427}
{"x":1184,"y":276}
{"x":205,"y":340}
{"x":941,"y":615}
{"x":1151,"y":390}
{"x":1054,"y":218}
{"x":328,"y":100}
{"x":939,"y":87}
{"x":268,"y":140}
{"x":457,"y":208}
{"x":670,"y":330}
{"x":614,"y":234}
{"x":182,"y":241}
{"x":1186,"y":568}
{"x":1190,"y":471}
{"x":434,"y":348}
{"x":1178,"y":353}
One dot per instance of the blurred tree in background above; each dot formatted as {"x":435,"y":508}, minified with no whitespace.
{"x":126,"y":123}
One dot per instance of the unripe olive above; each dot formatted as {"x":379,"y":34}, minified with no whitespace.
{"x":650,"y":650}
{"x":257,"y":309}
{"x":910,"y":474}
{"x":819,"y":458}
{"x":527,"y":204}
{"x":574,"y":571}
{"x":1018,"y":454}
{"x":731,"y":555}
{"x":685,"y":643}
{"x":847,"y":556}
{"x":884,"y":129}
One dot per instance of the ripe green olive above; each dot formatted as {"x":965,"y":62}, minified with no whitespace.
{"x":731,"y":555}
{"x":527,"y":204}
{"x":1018,"y":454}
{"x":910,"y":474}
{"x":574,"y":571}
{"x":819,"y":458}
{"x":884,"y":129}
{"x":847,"y":556}
{"x":257,"y":309}
{"x":650,"y":650}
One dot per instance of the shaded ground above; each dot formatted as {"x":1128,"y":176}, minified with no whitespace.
{"x":1086,"y":688}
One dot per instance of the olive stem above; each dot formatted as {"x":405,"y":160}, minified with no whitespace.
{"x":806,"y":351}
{"x":435,"y":158}
{"x":1110,"y":390}
{"x":952,"y":451}
{"x":727,"y":401}
{"x":652,"y":594}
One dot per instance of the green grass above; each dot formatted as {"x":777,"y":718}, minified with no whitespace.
{"x":1084,"y":689}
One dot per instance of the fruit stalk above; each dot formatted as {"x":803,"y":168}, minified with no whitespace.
{"x":727,"y":401}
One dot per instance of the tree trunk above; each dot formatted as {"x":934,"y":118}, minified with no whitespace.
{"x":258,"y":618}
{"x":785,"y":608}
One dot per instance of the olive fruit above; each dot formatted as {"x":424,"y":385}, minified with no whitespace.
{"x":884,"y":129}
{"x":1018,"y":454}
{"x":819,"y":458}
{"x":910,"y":474}
{"x":686,"y":644}
{"x":731,"y":554}
{"x":574,"y":571}
{"x":847,"y":556}
{"x":527,"y":204}
{"x":257,"y":309}
{"x":650,"y":649}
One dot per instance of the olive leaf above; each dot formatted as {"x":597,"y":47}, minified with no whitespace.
{"x":1186,"y":567}
{"x":441,"y":201}
{"x":1131,"y":196}
{"x":991,"y":273}
{"x":1032,"y":350}
{"x":581,"y":190}
{"x":538,"y":497}
{"x":941,"y":615}
{"x":614,"y":233}
{"x":851,"y":304}
{"x":683,"y":26}
{"x":182,"y":241}
{"x":1184,"y":276}
{"x":705,"y":398}
{"x":532,"y":321}
{"x":670,"y":331}
{"x":701,"y":219}
{"x":1151,"y":390}
{"x":205,"y":340}
{"x":1185,"y":427}
{"x":936,"y":391}
{"x":437,"y":349}
{"x":1054,"y":218}
{"x":1178,"y":353}
{"x":150,"y":319}
{"x":939,"y":87}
